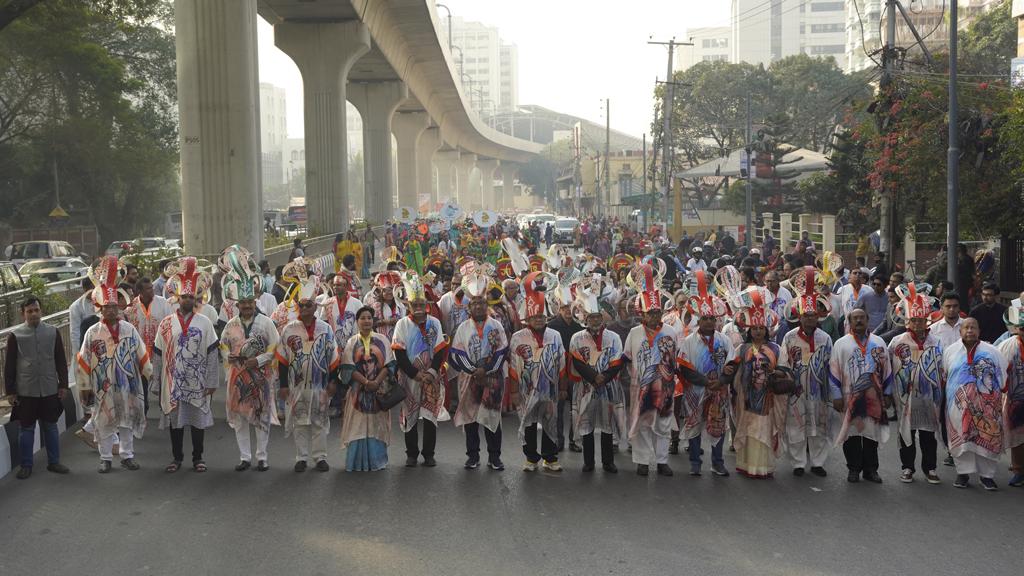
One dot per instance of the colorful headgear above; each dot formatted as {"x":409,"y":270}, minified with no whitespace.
{"x":831,"y":266}
{"x":647,"y":284}
{"x":387,"y":279}
{"x":703,"y":302}
{"x":309,"y":289}
{"x":729,"y":285}
{"x":520,"y":265}
{"x":186,"y":279}
{"x":557,"y":258}
{"x":587,"y":300}
{"x":812,"y":294}
{"x":537,"y":263}
{"x":1014,"y":316}
{"x":342,"y":276}
{"x":756,"y":310}
{"x":106,"y":275}
{"x":242,"y":277}
{"x":914,"y":302}
{"x":412,"y":289}
{"x":392,"y":255}
{"x":620,"y":262}
{"x":535,"y":284}
{"x":475,"y":282}
{"x":504,"y":269}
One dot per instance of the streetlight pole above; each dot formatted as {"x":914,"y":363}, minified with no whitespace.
{"x":953,"y":160}
{"x":749,"y":234}
{"x":666,"y":113}
{"x":607,"y":150}
{"x":448,"y":10}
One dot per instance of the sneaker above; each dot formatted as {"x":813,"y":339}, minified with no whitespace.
{"x":411,"y":461}
{"x":104,"y":467}
{"x":948,"y":461}
{"x":989,"y":484}
{"x":300,"y":466}
{"x":610,"y":468}
{"x":907,"y":476}
{"x":242,"y":466}
{"x":588,"y":467}
{"x":664,"y":470}
{"x":1017,"y":480}
{"x":57,"y":468}
{"x":429,"y":461}
{"x":642,"y":469}
{"x":853,"y":477}
{"x":24,"y":472}
{"x":932,"y":477}
{"x":719,"y":470}
{"x":262,"y":466}
{"x":130,"y":464}
{"x":322,"y":466}
{"x":552,"y":466}
{"x":673,"y":447}
{"x":529,"y":466}
{"x":695,"y":470}
{"x":574,"y":447}
{"x":961,"y":481}
{"x":798,"y":472}
{"x":873,"y":477}
{"x":819,"y":471}
{"x":496,"y":465}
{"x":471,"y":464}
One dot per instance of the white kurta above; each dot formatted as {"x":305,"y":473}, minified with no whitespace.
{"x":598,"y":409}
{"x":473,"y":347}
{"x":421,"y":344}
{"x":863,"y":376}
{"x":250,"y":392}
{"x":1013,"y":406}
{"x":113,"y":369}
{"x":186,"y":364}
{"x":311,"y":356}
{"x":974,"y":400}
{"x":707,"y":411}
{"x":146,"y":319}
{"x":917,"y":379}
{"x":536,"y":365}
{"x":809,"y":413}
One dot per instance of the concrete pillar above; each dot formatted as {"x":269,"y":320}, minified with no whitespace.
{"x":488,"y":200}
{"x":508,"y":174}
{"x":376,"y":103}
{"x":324,"y":54}
{"x":218,"y":104}
{"x":828,"y":232}
{"x":909,"y":248}
{"x":407,"y":128}
{"x":785,"y":231}
{"x":805,"y":225}
{"x":464,"y":173}
{"x":426,"y":146}
{"x":447,"y":162}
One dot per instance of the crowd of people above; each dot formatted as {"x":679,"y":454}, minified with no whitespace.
{"x":621,"y":340}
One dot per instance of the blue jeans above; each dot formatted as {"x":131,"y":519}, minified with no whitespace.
{"x":716,"y":452}
{"x":51,"y":439}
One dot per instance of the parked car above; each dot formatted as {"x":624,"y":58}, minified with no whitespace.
{"x":540,"y":219}
{"x":55,"y":269}
{"x":565,"y":231}
{"x":117,"y":247}
{"x":10,"y":280}
{"x":21,"y":252}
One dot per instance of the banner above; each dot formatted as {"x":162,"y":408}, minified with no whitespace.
{"x":405,"y":215}
{"x":485,"y":218}
{"x":450,"y":211}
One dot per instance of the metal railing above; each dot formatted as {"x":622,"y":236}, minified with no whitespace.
{"x":10,"y":303}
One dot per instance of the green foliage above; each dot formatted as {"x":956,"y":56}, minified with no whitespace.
{"x":51,"y":303}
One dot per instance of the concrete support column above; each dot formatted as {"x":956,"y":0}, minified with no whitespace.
{"x":407,"y":128}
{"x":426,"y":146}
{"x":447,"y":162}
{"x":464,"y":172}
{"x":218,"y":103}
{"x":488,"y":199}
{"x":376,"y":103}
{"x":508,"y":174}
{"x":828,"y":232}
{"x":785,"y":231}
{"x":324,"y":54}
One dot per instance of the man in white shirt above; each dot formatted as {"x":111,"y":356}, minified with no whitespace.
{"x":696,"y":261}
{"x":947,"y":330}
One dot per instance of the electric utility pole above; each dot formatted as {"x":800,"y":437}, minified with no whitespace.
{"x":607,"y":148}
{"x":953,"y":160}
{"x":666,"y":123}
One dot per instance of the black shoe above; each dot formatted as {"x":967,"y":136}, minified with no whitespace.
{"x":261,"y":466}
{"x":642,"y":469}
{"x":798,"y":472}
{"x":300,"y":466}
{"x":24,"y":472}
{"x":853,"y":477}
{"x":496,"y":465}
{"x":873,"y":477}
{"x":948,"y":461}
{"x":610,"y":468}
{"x":989,"y":484}
{"x":472,"y":464}
{"x":130,"y":464}
{"x":588,"y":467}
{"x":104,"y":467}
{"x":819,"y":471}
{"x":961,"y":481}
{"x":242,"y":466}
{"x":411,"y":461}
{"x":58,"y":468}
{"x":673,"y":447}
{"x":322,"y":466}
{"x":664,"y":470}
{"x":574,"y":447}
{"x":429,"y":461}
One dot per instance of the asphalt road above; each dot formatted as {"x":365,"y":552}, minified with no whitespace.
{"x":448,"y":520}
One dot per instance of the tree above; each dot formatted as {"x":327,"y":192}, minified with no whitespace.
{"x":541,"y":171}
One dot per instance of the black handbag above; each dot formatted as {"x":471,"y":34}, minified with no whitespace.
{"x":394,"y":396}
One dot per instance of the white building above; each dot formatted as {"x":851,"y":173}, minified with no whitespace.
{"x":273,"y":133}
{"x":765,"y":32}
{"x":489,"y":67}
{"x":709,"y":45}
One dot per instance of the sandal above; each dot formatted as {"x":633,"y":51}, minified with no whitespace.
{"x":173,"y":467}
{"x":199,"y":466}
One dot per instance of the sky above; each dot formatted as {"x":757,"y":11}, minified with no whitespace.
{"x":572,"y":53}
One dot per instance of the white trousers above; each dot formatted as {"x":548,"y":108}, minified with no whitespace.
{"x":649,"y":448}
{"x":818,"y":446}
{"x":971,"y":463}
{"x":245,"y":442}
{"x":307,"y":437}
{"x":124,"y":438}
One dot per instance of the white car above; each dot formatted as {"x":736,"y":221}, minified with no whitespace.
{"x":540,"y":219}
{"x":21,"y":252}
{"x":565,"y":231}
{"x":55,"y":269}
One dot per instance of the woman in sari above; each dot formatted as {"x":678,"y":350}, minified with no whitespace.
{"x":367,"y":366}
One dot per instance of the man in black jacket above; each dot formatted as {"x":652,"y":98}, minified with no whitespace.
{"x":566,"y":326}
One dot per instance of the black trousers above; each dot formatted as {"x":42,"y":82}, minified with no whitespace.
{"x":564,"y":407}
{"x":145,"y":396}
{"x":473,"y":442}
{"x":178,"y":441}
{"x":548,"y":447}
{"x":908,"y":454}
{"x":861,"y":454}
{"x":412,"y":440}
{"x":607,"y":456}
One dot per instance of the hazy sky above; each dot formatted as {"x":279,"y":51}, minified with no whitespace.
{"x":572,"y":53}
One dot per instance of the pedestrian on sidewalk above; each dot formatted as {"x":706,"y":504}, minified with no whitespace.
{"x":36,"y":381}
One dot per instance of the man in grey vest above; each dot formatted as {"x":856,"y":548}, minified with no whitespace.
{"x":35,"y":381}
